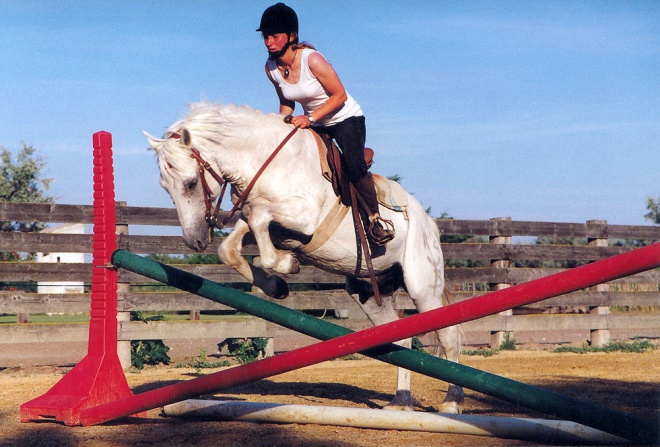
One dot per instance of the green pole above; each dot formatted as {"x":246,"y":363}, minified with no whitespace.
{"x":610,"y":421}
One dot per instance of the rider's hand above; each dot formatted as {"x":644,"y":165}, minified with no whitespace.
{"x":301,"y":121}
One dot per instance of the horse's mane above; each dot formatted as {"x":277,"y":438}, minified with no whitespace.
{"x":210,"y":125}
{"x":211,"y":121}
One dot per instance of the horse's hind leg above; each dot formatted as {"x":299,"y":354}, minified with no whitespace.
{"x":447,"y":344}
{"x":378,"y":315}
{"x":230,"y":253}
{"x":424,"y":278}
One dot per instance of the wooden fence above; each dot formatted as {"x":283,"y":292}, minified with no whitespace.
{"x":493,"y":247}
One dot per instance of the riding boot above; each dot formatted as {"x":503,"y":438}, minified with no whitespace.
{"x":377,"y":233}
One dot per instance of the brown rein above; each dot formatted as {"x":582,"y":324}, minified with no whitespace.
{"x":212,"y":215}
{"x":203,"y":166}
{"x":243,"y":196}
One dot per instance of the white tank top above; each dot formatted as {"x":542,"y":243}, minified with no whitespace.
{"x":310,"y":93}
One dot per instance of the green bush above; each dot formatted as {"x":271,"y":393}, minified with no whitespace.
{"x":148,"y":352}
{"x":508,"y":344}
{"x":245,"y":350}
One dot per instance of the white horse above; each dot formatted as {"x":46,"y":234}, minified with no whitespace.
{"x":283,"y":212}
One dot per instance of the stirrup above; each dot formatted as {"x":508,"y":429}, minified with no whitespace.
{"x":384,"y":228}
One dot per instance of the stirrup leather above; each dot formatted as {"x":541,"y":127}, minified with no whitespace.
{"x":381,"y":231}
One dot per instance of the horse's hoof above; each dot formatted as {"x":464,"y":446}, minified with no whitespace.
{"x":450,"y":408}
{"x":402,"y":401}
{"x":295,"y":266}
{"x":276,"y":288}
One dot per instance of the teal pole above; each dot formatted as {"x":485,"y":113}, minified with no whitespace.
{"x":610,"y":421}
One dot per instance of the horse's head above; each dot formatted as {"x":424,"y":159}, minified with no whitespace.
{"x":179,"y":176}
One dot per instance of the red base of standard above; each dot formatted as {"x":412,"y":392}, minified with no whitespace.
{"x":94,"y":381}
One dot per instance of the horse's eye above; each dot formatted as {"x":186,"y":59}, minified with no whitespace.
{"x":192,"y":185}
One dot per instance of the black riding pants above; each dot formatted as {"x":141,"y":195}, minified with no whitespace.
{"x":350,"y":136}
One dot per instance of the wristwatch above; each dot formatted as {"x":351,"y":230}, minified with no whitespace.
{"x":310,"y":118}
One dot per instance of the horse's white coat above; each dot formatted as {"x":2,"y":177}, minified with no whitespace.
{"x":293,"y":196}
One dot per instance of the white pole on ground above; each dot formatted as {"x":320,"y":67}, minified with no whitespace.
{"x":500,"y":427}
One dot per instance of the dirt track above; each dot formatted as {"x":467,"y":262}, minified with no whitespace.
{"x":621,"y":381}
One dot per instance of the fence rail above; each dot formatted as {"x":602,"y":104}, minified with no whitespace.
{"x":493,"y":248}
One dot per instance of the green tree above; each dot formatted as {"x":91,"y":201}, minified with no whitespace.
{"x":654,"y":210}
{"x":396,"y":177}
{"x":653,"y":205}
{"x":21,"y":181}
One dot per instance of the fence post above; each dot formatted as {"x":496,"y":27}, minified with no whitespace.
{"x":123,"y":289}
{"x":498,"y":337}
{"x":599,"y":337}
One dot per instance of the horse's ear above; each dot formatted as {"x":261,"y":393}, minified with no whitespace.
{"x":185,"y":138}
{"x":153,"y":141}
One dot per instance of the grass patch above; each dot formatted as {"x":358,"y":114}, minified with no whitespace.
{"x":481,"y":352}
{"x":637,"y":346}
{"x":84,"y":317}
{"x":45,"y":318}
{"x":201,"y":362}
{"x":508,"y":344}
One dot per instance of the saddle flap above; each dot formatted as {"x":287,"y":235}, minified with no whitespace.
{"x":390,"y":193}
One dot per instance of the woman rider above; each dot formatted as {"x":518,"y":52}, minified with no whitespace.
{"x":301,"y":74}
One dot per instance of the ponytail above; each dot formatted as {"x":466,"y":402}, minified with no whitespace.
{"x":302,"y":45}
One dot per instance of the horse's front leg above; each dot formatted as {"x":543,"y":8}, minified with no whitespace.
{"x":230,"y":253}
{"x":271,"y":258}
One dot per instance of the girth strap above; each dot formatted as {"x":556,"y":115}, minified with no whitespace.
{"x":327,"y":227}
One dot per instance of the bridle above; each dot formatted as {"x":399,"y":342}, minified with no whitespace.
{"x":203,"y":166}
{"x":211,"y":212}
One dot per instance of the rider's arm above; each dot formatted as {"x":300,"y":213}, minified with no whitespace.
{"x":329,"y":79}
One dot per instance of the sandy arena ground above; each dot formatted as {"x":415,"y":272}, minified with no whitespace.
{"x":621,"y":381}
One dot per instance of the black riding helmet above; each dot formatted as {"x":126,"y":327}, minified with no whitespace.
{"x":279,"y":18}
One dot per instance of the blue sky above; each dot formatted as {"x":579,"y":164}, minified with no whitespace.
{"x":544,"y":110}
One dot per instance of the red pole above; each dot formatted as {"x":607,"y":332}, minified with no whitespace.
{"x":558,"y":284}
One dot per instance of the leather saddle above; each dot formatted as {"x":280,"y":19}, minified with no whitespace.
{"x":335,"y":163}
